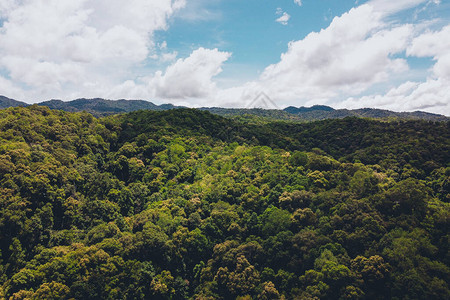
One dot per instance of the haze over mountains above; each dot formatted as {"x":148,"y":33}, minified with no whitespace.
{"x":103,"y":107}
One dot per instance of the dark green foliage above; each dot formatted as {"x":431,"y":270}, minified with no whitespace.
{"x":186,"y":204}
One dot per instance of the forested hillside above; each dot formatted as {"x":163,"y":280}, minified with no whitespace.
{"x":184,"y":204}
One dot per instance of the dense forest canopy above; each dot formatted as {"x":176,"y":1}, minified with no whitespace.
{"x":186,"y":204}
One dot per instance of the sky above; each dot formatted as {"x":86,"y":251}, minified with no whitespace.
{"x":346,"y":54}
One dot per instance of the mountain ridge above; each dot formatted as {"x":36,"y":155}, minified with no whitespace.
{"x":6,"y":102}
{"x":102,"y":107}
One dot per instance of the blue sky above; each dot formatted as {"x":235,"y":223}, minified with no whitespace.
{"x":247,"y":29}
{"x":378,"y":53}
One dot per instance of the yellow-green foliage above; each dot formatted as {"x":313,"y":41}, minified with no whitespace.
{"x":184,"y":204}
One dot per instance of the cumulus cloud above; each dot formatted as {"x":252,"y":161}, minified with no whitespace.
{"x":186,"y":81}
{"x":190,"y":77}
{"x":342,"y":58}
{"x":53,"y":45}
{"x":431,"y":95}
{"x":298,"y":2}
{"x":436,"y":45}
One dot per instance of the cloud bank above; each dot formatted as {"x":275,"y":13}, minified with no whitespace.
{"x":55,"y":47}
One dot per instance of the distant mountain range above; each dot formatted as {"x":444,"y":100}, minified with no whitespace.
{"x":100,"y":106}
{"x":103,"y":107}
{"x":6,"y":102}
{"x":319,"y":112}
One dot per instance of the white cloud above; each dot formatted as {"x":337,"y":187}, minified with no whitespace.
{"x":62,"y":49}
{"x":6,"y":6}
{"x":56,"y":47}
{"x":435,"y":45}
{"x":163,"y":45}
{"x":298,"y":2}
{"x":284,"y":16}
{"x":169,"y":56}
{"x":190,"y":77}
{"x":432,"y":96}
{"x":284,"y":19}
{"x":161,"y":53}
{"x":188,"y":80}
{"x":342,"y":58}
{"x":8,"y":85}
